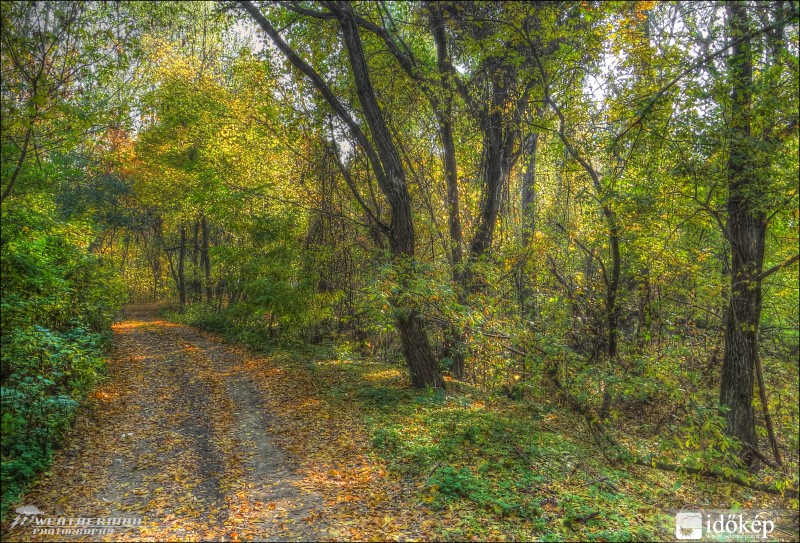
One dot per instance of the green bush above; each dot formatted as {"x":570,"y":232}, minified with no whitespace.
{"x":58,"y":302}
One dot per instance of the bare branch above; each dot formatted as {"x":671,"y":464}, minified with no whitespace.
{"x":319,"y":84}
{"x":774,"y":269}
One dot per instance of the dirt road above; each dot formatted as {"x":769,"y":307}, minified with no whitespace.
{"x":179,"y":437}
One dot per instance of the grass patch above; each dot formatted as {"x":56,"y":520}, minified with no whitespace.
{"x":488,"y":468}
{"x":495,"y":469}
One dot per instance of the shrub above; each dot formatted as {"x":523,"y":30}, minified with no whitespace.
{"x":58,"y":301}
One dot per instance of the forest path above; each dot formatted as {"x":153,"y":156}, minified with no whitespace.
{"x":180,"y":436}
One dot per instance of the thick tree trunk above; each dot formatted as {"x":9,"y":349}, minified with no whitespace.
{"x":747,"y":230}
{"x":416,"y":347}
{"x":495,"y":174}
{"x":741,"y":335}
{"x":206,"y":259}
{"x":417,"y":351}
{"x":387,"y":166}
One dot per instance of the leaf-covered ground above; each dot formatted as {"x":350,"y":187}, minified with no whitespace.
{"x":207,"y":441}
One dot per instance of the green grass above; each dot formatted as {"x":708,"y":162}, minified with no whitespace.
{"x":492,"y":468}
{"x":516,"y":470}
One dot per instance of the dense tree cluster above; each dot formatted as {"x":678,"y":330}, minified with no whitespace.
{"x":596,"y":196}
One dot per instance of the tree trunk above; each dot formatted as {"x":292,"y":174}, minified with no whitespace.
{"x":612,"y":311}
{"x":154,"y":253}
{"x":195,"y":285}
{"x":525,"y":294}
{"x":416,"y":347}
{"x":746,"y":228}
{"x":529,"y":193}
{"x":455,"y":339}
{"x":417,"y":351}
{"x":444,"y":114}
{"x":451,"y":176}
{"x":611,"y":279}
{"x":156,"y":273}
{"x":645,"y":309}
{"x":495,"y":174}
{"x":206,"y":259}
{"x":387,"y":166}
{"x":181,"y":275}
{"x":20,"y":162}
{"x":386,"y":162}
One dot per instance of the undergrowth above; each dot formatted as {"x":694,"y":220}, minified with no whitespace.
{"x":58,"y":302}
{"x":492,"y":467}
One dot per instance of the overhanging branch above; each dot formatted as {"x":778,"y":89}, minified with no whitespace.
{"x":774,"y":269}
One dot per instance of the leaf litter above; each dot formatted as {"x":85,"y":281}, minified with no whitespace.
{"x":206,"y":441}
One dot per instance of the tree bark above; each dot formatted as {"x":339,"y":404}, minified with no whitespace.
{"x":444,"y":114}
{"x":496,"y":166}
{"x":747,"y":231}
{"x":455,"y":339}
{"x":181,"y":275}
{"x":612,"y":290}
{"x":528,"y":211}
{"x":417,"y":350}
{"x":611,"y":278}
{"x":205,"y":258}
{"x":388,"y":168}
{"x":195,"y":284}
{"x":20,"y":162}
{"x":529,"y":193}
{"x":762,"y":391}
{"x":612,"y":311}
{"x":156,"y":275}
{"x":422,"y":366}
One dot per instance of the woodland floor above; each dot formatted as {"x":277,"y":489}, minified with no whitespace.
{"x":188,"y":434}
{"x":208,"y":441}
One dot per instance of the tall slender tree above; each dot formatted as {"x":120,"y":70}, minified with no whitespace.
{"x":387,"y":166}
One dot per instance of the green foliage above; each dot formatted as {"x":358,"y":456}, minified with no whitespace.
{"x":58,"y":301}
{"x":486,"y":466}
{"x":49,"y":374}
{"x":440,"y":433}
{"x":295,"y":233}
{"x":381,"y":396}
{"x":49,"y":277}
